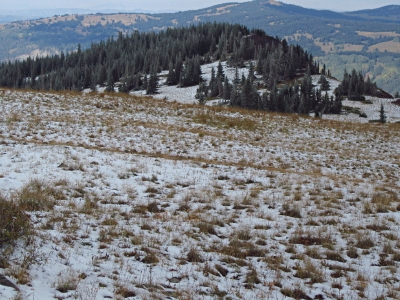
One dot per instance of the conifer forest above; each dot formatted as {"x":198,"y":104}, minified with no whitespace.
{"x":133,"y":62}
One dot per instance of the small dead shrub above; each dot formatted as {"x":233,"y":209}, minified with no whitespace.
{"x":241,"y":249}
{"x":151,"y":190}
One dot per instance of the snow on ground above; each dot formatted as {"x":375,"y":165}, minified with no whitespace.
{"x":187,"y":95}
{"x":371,"y":107}
{"x":166,"y":200}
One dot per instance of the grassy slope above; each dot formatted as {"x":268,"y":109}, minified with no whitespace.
{"x":159,"y":198}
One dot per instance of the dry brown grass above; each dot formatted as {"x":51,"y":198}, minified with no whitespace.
{"x":242,"y":194}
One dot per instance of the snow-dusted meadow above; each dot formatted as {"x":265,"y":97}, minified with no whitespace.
{"x":166,"y":199}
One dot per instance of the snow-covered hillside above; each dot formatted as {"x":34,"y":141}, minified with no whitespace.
{"x":164,"y":200}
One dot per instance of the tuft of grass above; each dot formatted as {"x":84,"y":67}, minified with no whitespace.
{"x":334,"y":255}
{"x":14,"y":222}
{"x":124,"y":291}
{"x":352,"y":252}
{"x":244,"y":234}
{"x":109,"y":222}
{"x":308,"y":270}
{"x":364,"y":242}
{"x":295,"y":293}
{"x":67,"y":281}
{"x":241,"y":249}
{"x":207,"y":228}
{"x":291,"y":211}
{"x":20,"y":274}
{"x":153,"y":207}
{"x":37,"y":196}
{"x":150,"y":258}
{"x":309,"y":238}
{"x":194,"y":256}
{"x":251,"y":279}
{"x":223,"y":271}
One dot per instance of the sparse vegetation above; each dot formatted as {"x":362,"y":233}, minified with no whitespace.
{"x":260,"y":209}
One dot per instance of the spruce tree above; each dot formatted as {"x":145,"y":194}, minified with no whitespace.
{"x":325,"y":85}
{"x":220,"y":71}
{"x":201,"y":93}
{"x":110,"y":82}
{"x":171,"y":77}
{"x":226,"y":90}
{"x":382,"y":115}
{"x":152,"y":84}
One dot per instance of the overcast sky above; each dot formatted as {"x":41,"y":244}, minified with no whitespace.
{"x":177,"y":5}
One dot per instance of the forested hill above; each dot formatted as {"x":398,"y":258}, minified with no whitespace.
{"x":389,"y":13}
{"x":134,"y":62}
{"x":132,"y":58}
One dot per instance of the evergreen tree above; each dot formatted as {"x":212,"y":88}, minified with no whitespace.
{"x":220,"y":71}
{"x":213,"y":85}
{"x":171,"y":77}
{"x":325,"y":85}
{"x":323,"y":71}
{"x":382,"y":115}
{"x":124,"y":87}
{"x":110,"y":82}
{"x":201,"y":93}
{"x":226,"y":94}
{"x":145,"y":82}
{"x":234,"y":96}
{"x":152,"y":84}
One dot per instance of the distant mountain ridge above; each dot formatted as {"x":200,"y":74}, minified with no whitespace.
{"x":385,"y":14}
{"x":367,"y":40}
